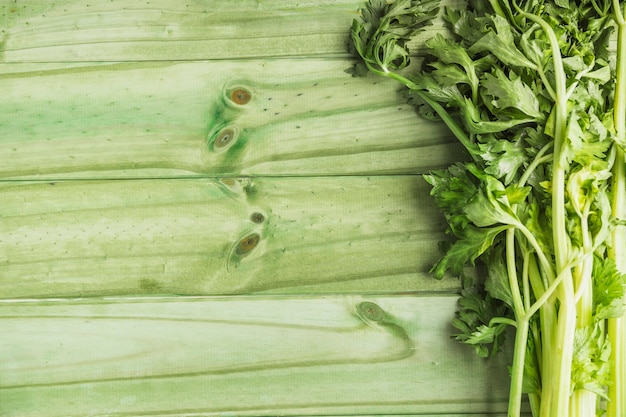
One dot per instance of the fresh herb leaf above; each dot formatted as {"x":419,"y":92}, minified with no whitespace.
{"x":380,"y":37}
{"x":609,"y":287}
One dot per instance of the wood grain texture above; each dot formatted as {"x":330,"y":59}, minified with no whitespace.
{"x":242,"y":356}
{"x":210,"y":236}
{"x":118,"y":30}
{"x":155,"y":152}
{"x":303,"y":117}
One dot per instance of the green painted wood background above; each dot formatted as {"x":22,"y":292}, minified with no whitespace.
{"x":202,"y":213}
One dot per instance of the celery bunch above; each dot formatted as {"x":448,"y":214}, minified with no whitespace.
{"x":533,"y":92}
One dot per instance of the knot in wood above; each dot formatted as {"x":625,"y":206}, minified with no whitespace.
{"x":257,"y":218}
{"x":225,"y":138}
{"x":247,"y":244}
{"x":371,"y":311}
{"x":240,"y":96}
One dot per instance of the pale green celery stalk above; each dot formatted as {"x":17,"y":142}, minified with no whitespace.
{"x":583,"y":402}
{"x":534,"y":399}
{"x":521,"y":332}
{"x":616,"y":328}
{"x":547,"y":324}
{"x":522,"y":306}
{"x":524,"y":312}
{"x":538,"y":284}
{"x":557,"y":378}
{"x":616,"y":406}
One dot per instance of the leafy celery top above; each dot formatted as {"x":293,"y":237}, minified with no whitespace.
{"x":535,"y":95}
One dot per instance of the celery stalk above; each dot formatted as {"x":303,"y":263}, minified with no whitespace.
{"x":616,"y":406}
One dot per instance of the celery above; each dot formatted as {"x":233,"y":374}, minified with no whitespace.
{"x":531,"y":91}
{"x":616,"y":405}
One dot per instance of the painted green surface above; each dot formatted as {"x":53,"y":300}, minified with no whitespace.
{"x":243,"y":356}
{"x":305,"y":117}
{"x":208,"y":236}
{"x":174,"y":150}
{"x":121,"y":30}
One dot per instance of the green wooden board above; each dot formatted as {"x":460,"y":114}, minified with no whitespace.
{"x":207,"y":236}
{"x":203,"y":214}
{"x":107,"y":30}
{"x":241,"y":356}
{"x":305,"y":117}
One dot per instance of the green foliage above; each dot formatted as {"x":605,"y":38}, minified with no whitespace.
{"x":590,"y":366}
{"x":380,"y":36}
{"x":529,"y":89}
{"x":473,"y":320}
{"x":609,"y":286}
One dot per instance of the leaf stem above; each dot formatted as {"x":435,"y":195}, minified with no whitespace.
{"x":518,"y":303}
{"x":547,"y":321}
{"x":616,"y":328}
{"x":502,"y":320}
{"x":541,"y":300}
{"x":521,"y":335}
{"x":558,"y":384}
{"x":538,"y":160}
{"x":583,"y":402}
{"x":517,"y":371}
{"x":454,"y":127}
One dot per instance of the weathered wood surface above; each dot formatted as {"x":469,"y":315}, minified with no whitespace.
{"x":300,"y":117}
{"x":118,"y":30}
{"x":242,"y":356}
{"x":208,"y":236}
{"x":201,"y":147}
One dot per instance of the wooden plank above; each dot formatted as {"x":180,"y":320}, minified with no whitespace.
{"x":211,"y":236}
{"x":106,"y":30}
{"x":301,"y":117}
{"x":244,"y":356}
